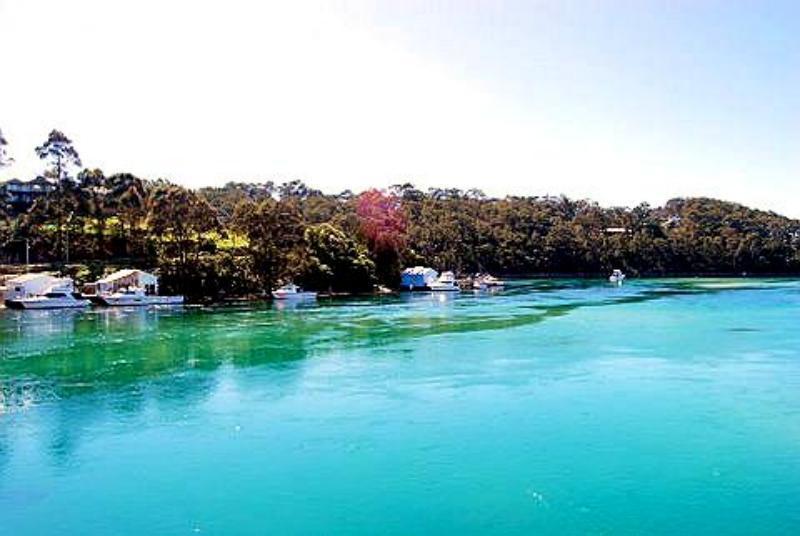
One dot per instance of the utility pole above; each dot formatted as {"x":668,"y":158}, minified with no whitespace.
{"x":66,"y":249}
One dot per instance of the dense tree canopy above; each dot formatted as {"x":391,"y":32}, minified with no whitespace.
{"x":248,"y":237}
{"x":336,"y":261}
{"x":273,"y":230}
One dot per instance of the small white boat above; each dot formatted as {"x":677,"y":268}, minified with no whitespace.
{"x":445,"y":283}
{"x":56,"y":297}
{"x":136,"y":297}
{"x":617,"y":277}
{"x":486,"y":282}
{"x":293,"y":292}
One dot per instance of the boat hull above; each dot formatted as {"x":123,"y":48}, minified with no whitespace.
{"x":294,"y":295}
{"x":137,"y":301}
{"x":41,"y":304}
{"x":444,"y":288}
{"x":488,"y":286}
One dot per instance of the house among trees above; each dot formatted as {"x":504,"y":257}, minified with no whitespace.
{"x":20,"y":195}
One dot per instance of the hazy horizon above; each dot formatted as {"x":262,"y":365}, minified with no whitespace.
{"x":617,"y":102}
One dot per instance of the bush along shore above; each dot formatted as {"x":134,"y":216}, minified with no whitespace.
{"x":245,"y":238}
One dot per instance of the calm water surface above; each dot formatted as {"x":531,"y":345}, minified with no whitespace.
{"x":561,"y":407}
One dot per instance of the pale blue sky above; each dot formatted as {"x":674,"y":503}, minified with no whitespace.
{"x":617,"y":101}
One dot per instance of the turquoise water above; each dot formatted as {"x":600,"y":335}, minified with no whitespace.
{"x":561,"y":407}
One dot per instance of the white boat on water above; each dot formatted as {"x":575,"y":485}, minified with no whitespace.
{"x":291,"y":291}
{"x":617,"y":277}
{"x":445,"y":283}
{"x":60,"y":296}
{"x":486,"y":282}
{"x":129,"y":287}
{"x":16,"y":287}
{"x":136,"y":297}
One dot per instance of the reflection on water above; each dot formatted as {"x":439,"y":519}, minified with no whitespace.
{"x":548,"y":366}
{"x":55,"y":355}
{"x":52,"y":354}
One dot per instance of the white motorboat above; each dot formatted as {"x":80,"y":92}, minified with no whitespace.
{"x":445,"y":283}
{"x":56,"y":297}
{"x":136,"y":297}
{"x":486,"y":282}
{"x":291,"y":291}
{"x":617,"y":277}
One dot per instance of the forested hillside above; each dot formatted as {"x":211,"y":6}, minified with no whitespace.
{"x":243,"y":238}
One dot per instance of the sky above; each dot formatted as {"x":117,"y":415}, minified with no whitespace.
{"x":618,"y":101}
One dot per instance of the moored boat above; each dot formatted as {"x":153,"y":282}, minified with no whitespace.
{"x":445,"y":283}
{"x":290,"y":291}
{"x":16,"y":287}
{"x":136,"y":297}
{"x":486,"y":282}
{"x":60,"y":296}
{"x":617,"y":277}
{"x":130,"y":287}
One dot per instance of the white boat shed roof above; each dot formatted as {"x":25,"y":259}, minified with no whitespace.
{"x":418,"y":270}
{"x":24,"y":278}
{"x":142,"y":277}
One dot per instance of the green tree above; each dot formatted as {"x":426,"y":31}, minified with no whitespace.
{"x":274,"y":233}
{"x":94,"y":208}
{"x":128,"y":201}
{"x":180,"y":221}
{"x":336,"y":261}
{"x":60,"y":155}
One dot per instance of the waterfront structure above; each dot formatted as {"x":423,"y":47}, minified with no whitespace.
{"x":123,"y":279}
{"x":129,"y":287}
{"x":418,"y":278}
{"x":60,"y":295}
{"x":28,"y":285}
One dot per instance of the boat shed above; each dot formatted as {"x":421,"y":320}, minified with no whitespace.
{"x":27,"y":285}
{"x":417,"y":278}
{"x":124,"y":279}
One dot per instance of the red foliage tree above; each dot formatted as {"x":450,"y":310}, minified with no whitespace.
{"x":383,"y":224}
{"x":382,"y":221}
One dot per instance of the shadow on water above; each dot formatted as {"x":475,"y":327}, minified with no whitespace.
{"x":374,"y":330}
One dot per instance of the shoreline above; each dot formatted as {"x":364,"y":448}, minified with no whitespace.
{"x":266,"y":298}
